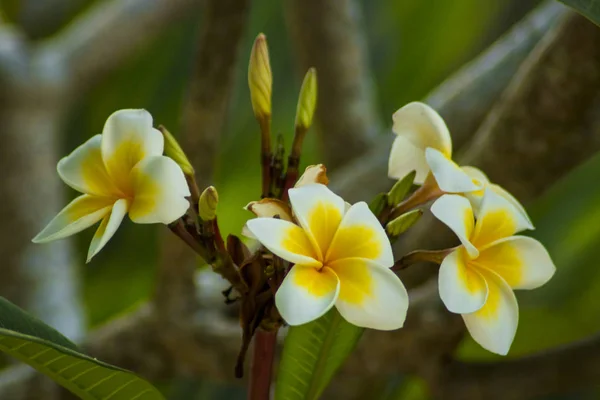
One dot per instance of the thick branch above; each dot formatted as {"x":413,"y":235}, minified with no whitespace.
{"x":463,"y":100}
{"x":328,"y":36}
{"x":98,"y":41}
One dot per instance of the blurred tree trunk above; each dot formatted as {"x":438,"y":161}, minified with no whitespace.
{"x":39,"y":278}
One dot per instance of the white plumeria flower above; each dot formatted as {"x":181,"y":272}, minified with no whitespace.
{"x":423,"y":144}
{"x":477,"y":279}
{"x":342,"y":258}
{"x":122,"y":171}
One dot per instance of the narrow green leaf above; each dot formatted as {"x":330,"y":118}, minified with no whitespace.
{"x":588,"y":8}
{"x":400,"y":189}
{"x":403,"y":222}
{"x":378,"y":203}
{"x":312,"y":353}
{"x":49,"y":352}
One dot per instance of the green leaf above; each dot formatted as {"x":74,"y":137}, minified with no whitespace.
{"x":400,"y":189}
{"x":312,"y":353}
{"x":49,"y":352}
{"x":588,"y":8}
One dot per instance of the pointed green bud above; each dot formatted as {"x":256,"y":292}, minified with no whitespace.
{"x":307,"y":101}
{"x":398,"y":226}
{"x":207,"y":205}
{"x":400,"y":189}
{"x":378,"y":203}
{"x":175,"y":152}
{"x":260,"y":79}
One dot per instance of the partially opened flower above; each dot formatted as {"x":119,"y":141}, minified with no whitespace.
{"x":342,"y":258}
{"x":423,"y":144}
{"x":477,"y":279}
{"x":122,"y":171}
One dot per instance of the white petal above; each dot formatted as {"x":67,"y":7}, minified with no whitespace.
{"x":497,"y":219}
{"x":422,"y":126}
{"x":107,"y":228}
{"x":127,"y":138}
{"x":160,"y":191}
{"x":285,"y":240}
{"x":462,"y":289}
{"x":85,"y":172}
{"x":511,"y":199}
{"x":371,"y":296}
{"x":81,"y":213}
{"x":448,"y":175}
{"x":521,"y":261}
{"x":456,"y":213}
{"x":495,"y":324}
{"x":246,"y":232}
{"x":475,"y":173}
{"x":306,"y":294}
{"x":360,"y":235}
{"x":405,"y":157}
{"x":319,"y":211}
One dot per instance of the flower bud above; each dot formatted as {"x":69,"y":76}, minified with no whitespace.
{"x":269,"y":208}
{"x":313,"y":174}
{"x":307,"y":101}
{"x":402,"y":223}
{"x":260,"y":79}
{"x":207,"y":205}
{"x":174,"y":151}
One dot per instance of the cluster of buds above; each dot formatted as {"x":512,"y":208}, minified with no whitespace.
{"x":275,"y":183}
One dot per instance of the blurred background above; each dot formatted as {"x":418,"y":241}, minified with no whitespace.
{"x":409,"y":48}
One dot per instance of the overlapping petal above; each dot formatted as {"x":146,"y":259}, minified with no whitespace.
{"x":423,"y":126}
{"x":522,"y":262}
{"x":462,"y":289}
{"x":306,"y":294}
{"x":270,"y":208}
{"x":418,"y":127}
{"x":406,"y":157}
{"x":319,"y":211}
{"x":497,"y":218}
{"x":371,"y":296}
{"x":85,"y":172}
{"x":494,"y":325}
{"x":285,"y":239}
{"x":160,"y":189}
{"x":448,"y":175}
{"x":456,"y":213}
{"x":476,"y":197}
{"x":81,"y":213}
{"x":360,"y":235}
{"x":127,"y":138}
{"x":109,"y":225}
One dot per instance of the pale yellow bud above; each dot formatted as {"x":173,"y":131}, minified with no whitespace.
{"x":175,"y":152}
{"x":307,"y":101}
{"x":269,"y":208}
{"x":313,"y":174}
{"x":207,"y":205}
{"x":260,"y":79}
